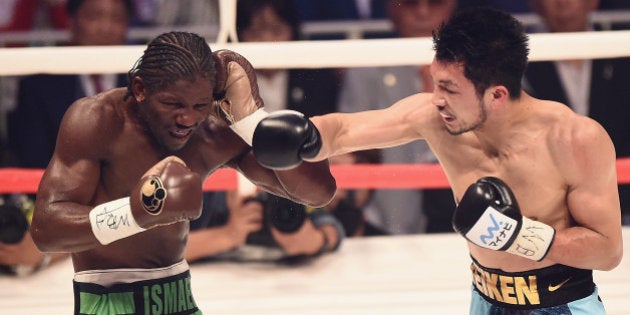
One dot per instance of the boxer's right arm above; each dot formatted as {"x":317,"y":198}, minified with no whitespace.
{"x":332,"y":134}
{"x":73,"y":180}
{"x":284,"y":139}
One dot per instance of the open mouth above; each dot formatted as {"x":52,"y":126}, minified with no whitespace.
{"x":180,"y":133}
{"x":446,"y":117}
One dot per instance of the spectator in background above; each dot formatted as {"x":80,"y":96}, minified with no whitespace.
{"x":598,"y":88}
{"x":43,"y":99}
{"x":402,"y":211}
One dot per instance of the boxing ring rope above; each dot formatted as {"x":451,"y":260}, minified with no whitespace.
{"x":376,"y":176}
{"x":300,"y":54}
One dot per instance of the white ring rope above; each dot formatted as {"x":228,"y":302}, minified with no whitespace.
{"x":307,"y":54}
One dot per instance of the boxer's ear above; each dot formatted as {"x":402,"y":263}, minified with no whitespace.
{"x":497,"y":96}
{"x":139,"y":89}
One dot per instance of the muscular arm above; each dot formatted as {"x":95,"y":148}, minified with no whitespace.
{"x":595,"y":240}
{"x":310,"y":183}
{"x":68,"y":187}
{"x":396,"y":125}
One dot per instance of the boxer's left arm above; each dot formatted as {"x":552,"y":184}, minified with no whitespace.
{"x":587,"y":160}
{"x":310,"y":184}
{"x":405,"y":121}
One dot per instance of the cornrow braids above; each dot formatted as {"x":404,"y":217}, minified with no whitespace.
{"x":171,"y":57}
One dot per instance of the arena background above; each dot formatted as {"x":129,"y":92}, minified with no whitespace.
{"x":415,"y":274}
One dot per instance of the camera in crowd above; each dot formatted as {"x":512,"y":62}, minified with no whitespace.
{"x":13,"y":223}
{"x":283,"y":214}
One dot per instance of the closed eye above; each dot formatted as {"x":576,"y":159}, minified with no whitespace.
{"x":201,"y":106}
{"x":173,"y":104}
{"x":446,"y":90}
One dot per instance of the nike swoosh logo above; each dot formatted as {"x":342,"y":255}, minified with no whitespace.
{"x":552,"y":288}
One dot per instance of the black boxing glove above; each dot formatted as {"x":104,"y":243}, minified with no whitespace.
{"x":488,"y":216}
{"x":284,"y":138}
{"x":167,"y":193}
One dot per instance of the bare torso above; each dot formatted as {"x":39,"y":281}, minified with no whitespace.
{"x":559,"y":165}
{"x":125,"y":153}
{"x":530,"y":161}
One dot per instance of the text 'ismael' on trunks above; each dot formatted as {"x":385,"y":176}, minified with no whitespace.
{"x":168,"y":298}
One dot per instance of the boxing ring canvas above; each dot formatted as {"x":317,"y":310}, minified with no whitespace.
{"x":389,"y":275}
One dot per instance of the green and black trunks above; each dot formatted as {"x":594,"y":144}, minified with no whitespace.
{"x":135,"y":291}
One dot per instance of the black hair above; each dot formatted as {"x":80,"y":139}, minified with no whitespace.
{"x":171,"y":57}
{"x":72,"y":7}
{"x":490,"y":44}
{"x":286,"y":10}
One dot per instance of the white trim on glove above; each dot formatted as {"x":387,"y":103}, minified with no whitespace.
{"x":245,"y":127}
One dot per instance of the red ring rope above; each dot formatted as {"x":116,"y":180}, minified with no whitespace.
{"x":378,"y":176}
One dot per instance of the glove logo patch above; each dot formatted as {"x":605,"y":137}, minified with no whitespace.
{"x":492,"y":230}
{"x":152,"y":195}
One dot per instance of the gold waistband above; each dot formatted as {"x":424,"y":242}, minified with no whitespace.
{"x":550,"y":286}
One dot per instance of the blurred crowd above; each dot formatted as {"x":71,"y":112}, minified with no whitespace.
{"x":31,"y":107}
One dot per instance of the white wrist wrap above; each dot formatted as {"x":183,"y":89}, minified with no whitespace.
{"x":113,"y":220}
{"x":245,"y":127}
{"x":533,"y":240}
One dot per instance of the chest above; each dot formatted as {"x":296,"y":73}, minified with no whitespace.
{"x":126,"y":161}
{"x":533,"y":176}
